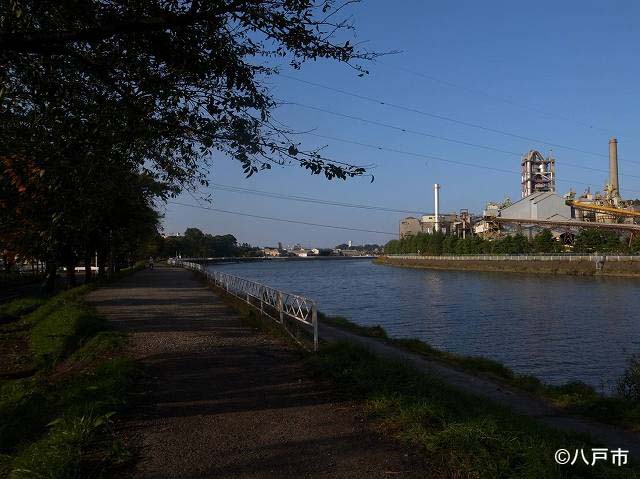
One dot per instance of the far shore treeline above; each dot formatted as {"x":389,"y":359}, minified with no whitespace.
{"x":196,"y":244}
{"x":587,"y":241}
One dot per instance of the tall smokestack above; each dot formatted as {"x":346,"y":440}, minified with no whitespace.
{"x":613,"y":167}
{"x":436,"y":192}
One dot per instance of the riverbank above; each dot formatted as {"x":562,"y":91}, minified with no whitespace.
{"x":465,"y":425}
{"x":571,"y":399}
{"x":597,"y":265}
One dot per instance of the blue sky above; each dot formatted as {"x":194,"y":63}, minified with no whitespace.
{"x":572,"y":65}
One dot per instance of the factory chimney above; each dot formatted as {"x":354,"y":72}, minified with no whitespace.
{"x":436,"y":191}
{"x":613,"y":167}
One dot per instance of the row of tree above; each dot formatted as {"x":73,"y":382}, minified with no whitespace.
{"x":196,"y":244}
{"x":110,"y":107}
{"x":587,"y":241}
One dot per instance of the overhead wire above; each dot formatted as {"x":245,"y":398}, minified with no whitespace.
{"x":491,"y":96}
{"x":283,"y":220}
{"x":304,"y":199}
{"x":441,"y":117}
{"x":441,"y":159}
{"x":438,"y":137}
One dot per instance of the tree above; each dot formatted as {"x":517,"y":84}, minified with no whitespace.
{"x":185,"y":79}
{"x":593,"y":240}
{"x":544,"y":242}
{"x":109,"y":105}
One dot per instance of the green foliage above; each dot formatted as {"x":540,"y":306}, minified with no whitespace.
{"x":63,"y":331}
{"x":24,"y":410}
{"x":19,"y":307}
{"x":58,"y":425}
{"x":598,"y":241}
{"x":58,"y":455}
{"x":634,"y":247}
{"x":544,"y":243}
{"x":196,"y":244}
{"x":344,"y":323}
{"x":69,"y":296}
{"x":629,"y":384}
{"x":588,"y":241}
{"x":461,"y":435}
{"x":78,"y":412}
{"x":92,"y":139}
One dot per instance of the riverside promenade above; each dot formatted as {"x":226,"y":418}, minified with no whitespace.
{"x":220,"y":399}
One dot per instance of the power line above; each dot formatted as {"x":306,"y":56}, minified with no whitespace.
{"x":305,"y":199}
{"x":438,"y":158}
{"x":438,"y":137}
{"x":283,"y":220}
{"x":493,"y":97}
{"x":439,"y":117}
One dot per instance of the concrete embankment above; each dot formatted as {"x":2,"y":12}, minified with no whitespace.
{"x":595,"y":265}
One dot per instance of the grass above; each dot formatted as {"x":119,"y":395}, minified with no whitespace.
{"x":56,"y":423}
{"x":460,"y":435}
{"x":63,"y":331}
{"x":343,"y":323}
{"x":575,"y":397}
{"x":17,"y":308}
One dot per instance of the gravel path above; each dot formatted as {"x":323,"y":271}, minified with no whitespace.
{"x":222,"y":400}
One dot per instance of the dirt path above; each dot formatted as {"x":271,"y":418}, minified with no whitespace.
{"x":223,"y":400}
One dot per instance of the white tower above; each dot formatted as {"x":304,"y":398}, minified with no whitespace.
{"x":436,"y":192}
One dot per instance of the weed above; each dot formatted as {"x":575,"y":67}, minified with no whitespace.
{"x":460,"y":435}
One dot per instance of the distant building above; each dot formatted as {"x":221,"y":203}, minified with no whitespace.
{"x":271,"y":252}
{"x":410,"y":226}
{"x":427,"y":224}
{"x":544,"y":205}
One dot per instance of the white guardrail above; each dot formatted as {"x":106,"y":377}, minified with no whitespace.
{"x":523,"y":257}
{"x":262,"y":297}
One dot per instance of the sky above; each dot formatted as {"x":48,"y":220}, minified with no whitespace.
{"x":561,"y":74}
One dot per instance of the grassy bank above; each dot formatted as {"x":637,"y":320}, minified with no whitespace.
{"x":55,"y":422}
{"x":575,"y":397}
{"x":460,"y":435}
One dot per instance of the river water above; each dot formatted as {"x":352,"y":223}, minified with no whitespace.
{"x":557,"y":328}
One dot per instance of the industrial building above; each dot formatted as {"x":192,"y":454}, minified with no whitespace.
{"x":448,"y":223}
{"x":540,"y":207}
{"x":538,"y":174}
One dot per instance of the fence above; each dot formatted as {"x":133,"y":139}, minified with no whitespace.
{"x":279,"y":305}
{"x":521,"y":257}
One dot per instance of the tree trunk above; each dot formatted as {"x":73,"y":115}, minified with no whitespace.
{"x":87,"y":269}
{"x":102,"y":263}
{"x":71,"y":273}
{"x":50,"y":281}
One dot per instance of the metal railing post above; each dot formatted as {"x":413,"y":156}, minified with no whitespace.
{"x":314,"y":321}
{"x":261,"y":300}
{"x":281,"y":307}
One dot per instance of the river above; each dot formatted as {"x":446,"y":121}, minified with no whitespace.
{"x":557,"y":328}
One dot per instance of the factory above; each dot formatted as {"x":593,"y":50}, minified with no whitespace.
{"x":458,"y":224}
{"x":540,"y":207}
